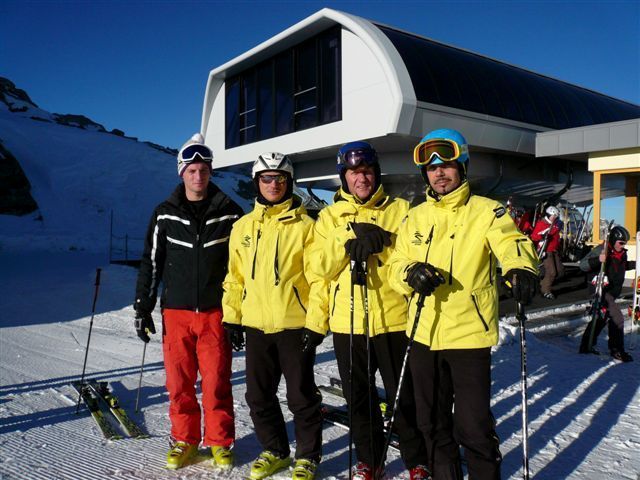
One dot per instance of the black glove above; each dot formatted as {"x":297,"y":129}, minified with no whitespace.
{"x":143,"y":324}
{"x":310,"y":339}
{"x":372,"y":236}
{"x":424,"y":278}
{"x":235,"y":333}
{"x":524,"y":284}
{"x":357,"y":250}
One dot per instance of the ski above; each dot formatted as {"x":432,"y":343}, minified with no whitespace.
{"x":336,"y":415}
{"x":634,"y":308}
{"x":93,"y":405}
{"x":340,"y":418}
{"x":104,"y":394}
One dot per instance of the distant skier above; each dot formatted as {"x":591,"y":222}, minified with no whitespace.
{"x":615,"y":267}
{"x":187,"y":249}
{"x":546,"y":236}
{"x":266,"y":297}
{"x":461,"y":237}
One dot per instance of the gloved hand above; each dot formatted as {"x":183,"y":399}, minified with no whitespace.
{"x":235,"y":333}
{"x":372,"y":236}
{"x":143,"y":324}
{"x":357,"y":250}
{"x":424,"y":278}
{"x":310,"y":339}
{"x":524,"y":284}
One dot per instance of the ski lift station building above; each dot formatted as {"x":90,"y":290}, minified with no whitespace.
{"x":334,"y":78}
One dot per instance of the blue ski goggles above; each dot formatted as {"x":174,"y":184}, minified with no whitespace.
{"x":189,"y":153}
{"x":355,"y":158}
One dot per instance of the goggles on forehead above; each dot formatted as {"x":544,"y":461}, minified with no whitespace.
{"x":355,"y":158}
{"x":273,"y":178}
{"x":190,"y":152}
{"x":437,"y":149}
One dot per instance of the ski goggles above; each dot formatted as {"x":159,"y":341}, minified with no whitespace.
{"x":437,"y":149}
{"x":355,"y":158}
{"x":189,"y":153}
{"x":267,"y":179}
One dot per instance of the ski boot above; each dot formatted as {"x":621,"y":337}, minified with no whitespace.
{"x":420,"y":472}
{"x":267,"y":464}
{"x":304,"y":469}
{"x":362,"y":471}
{"x":621,"y":357}
{"x":179,"y":453}
{"x":222,"y":457}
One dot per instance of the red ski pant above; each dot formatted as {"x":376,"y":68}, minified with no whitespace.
{"x":192,"y":342}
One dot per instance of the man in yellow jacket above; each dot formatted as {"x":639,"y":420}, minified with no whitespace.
{"x":266,"y":296}
{"x":359,"y":229}
{"x":462,"y":237}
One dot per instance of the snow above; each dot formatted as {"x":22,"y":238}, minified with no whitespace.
{"x":584,"y":411}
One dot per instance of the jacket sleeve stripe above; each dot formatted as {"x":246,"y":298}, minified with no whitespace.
{"x":175,"y":218}
{"x":154,"y":266}
{"x":214,"y":242}
{"x":179,"y":242}
{"x":221,"y":219}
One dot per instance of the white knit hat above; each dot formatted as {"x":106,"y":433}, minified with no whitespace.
{"x":188,"y":154}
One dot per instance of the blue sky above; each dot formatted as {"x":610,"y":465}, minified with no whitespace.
{"x":142,"y":66}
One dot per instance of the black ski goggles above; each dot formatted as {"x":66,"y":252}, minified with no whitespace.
{"x":189,"y":154}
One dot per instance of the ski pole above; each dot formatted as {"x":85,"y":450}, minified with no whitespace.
{"x":365,"y":296}
{"x":396,"y":400}
{"x":351,"y":313}
{"x":144,"y":351}
{"x":597,"y":299}
{"x":523,"y":387}
{"x":86,"y":352}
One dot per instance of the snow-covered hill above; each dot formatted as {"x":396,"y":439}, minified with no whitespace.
{"x":584,"y":411}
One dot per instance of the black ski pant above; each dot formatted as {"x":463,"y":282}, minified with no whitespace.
{"x":386,"y":354}
{"x":441,"y":379}
{"x":268,"y":357}
{"x":614,"y":318}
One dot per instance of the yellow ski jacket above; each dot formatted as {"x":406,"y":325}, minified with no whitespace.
{"x":330,"y":261}
{"x":463,"y":236}
{"x":267,"y":285}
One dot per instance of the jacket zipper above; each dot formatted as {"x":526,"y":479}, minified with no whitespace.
{"x":255,"y":254}
{"x":295,"y":290}
{"x":428,"y":242}
{"x":475,"y":304}
{"x":453,"y":236}
{"x":276,"y":268}
{"x":335,"y":294}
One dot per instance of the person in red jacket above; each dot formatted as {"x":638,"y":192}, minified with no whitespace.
{"x":546,"y":236}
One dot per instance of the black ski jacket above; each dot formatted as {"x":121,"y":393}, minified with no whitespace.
{"x":614,"y":269}
{"x":190,"y":257}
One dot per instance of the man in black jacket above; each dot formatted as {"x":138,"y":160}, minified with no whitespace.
{"x":187,"y":249}
{"x":615,"y":267}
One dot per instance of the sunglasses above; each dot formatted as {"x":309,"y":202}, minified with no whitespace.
{"x":439,"y":148}
{"x":267,"y":179}
{"x":355,"y":158}
{"x":189,"y":153}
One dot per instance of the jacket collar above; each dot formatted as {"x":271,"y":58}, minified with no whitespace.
{"x":455,"y":199}
{"x":285,"y":211}
{"x":377,"y":200}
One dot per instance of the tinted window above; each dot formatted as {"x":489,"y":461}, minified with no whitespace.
{"x":297,"y":89}
{"x":456,"y":78}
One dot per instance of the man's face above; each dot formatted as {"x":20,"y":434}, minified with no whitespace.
{"x":361,"y":181}
{"x":619,"y":245}
{"x":273,"y":185}
{"x":444,"y":177}
{"x":196,"y":180}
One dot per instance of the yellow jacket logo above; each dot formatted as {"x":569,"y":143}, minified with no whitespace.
{"x":417,"y":238}
{"x":246,"y":241}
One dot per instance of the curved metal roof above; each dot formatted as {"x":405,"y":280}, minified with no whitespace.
{"x":456,"y":78}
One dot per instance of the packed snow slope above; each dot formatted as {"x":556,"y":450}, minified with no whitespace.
{"x":584,"y":412}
